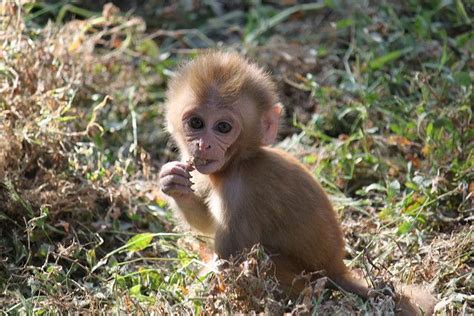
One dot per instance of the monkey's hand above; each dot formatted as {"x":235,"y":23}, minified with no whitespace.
{"x":175,"y":180}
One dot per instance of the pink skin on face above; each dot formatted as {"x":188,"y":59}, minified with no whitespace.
{"x":209,"y":132}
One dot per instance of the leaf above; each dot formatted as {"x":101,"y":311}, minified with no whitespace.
{"x":310,"y":159}
{"x":66,"y":118}
{"x":330,"y":4}
{"x":161,"y":202}
{"x":429,"y":130}
{"x":376,"y":187}
{"x":397,"y":129}
{"x":149,"y":48}
{"x":398,"y":140}
{"x":342,"y":24}
{"x":139,"y":242}
{"x":404,"y":228}
{"x":136,"y":290}
{"x":386,"y":213}
{"x":99,"y":264}
{"x":411,"y":185}
{"x":91,"y":257}
{"x":426,"y":150}
{"x":394,"y":185}
{"x":462,"y":78}
{"x":382,"y":60}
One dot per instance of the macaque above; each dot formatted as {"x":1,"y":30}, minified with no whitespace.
{"x":223,"y":112}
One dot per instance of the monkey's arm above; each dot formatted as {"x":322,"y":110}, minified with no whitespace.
{"x":195,"y":213}
{"x":176,"y":184}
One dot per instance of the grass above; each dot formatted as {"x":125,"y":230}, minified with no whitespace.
{"x":378,"y":105}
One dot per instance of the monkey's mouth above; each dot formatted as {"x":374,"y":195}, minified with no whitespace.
{"x":201,"y":161}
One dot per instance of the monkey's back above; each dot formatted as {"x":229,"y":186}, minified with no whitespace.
{"x":283,"y":207}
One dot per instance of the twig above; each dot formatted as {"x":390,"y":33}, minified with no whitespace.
{"x":177,"y":33}
{"x":131,"y":107}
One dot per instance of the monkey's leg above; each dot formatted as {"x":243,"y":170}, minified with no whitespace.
{"x":289,"y":274}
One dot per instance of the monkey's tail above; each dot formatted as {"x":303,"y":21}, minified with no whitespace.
{"x":410,"y":299}
{"x":414,"y":300}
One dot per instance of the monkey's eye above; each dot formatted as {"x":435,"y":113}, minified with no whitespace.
{"x":224,"y":127}
{"x":196,"y":123}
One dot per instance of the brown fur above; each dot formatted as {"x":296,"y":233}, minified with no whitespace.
{"x":225,"y":78}
{"x":263,"y":196}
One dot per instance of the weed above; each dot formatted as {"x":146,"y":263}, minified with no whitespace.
{"x":378,"y":104}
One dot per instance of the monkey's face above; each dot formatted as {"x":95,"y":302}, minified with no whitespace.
{"x":209,"y":132}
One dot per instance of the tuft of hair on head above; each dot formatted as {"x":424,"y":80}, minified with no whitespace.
{"x":220,"y":78}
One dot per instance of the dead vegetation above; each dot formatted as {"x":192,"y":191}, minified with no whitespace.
{"x":81,"y":142}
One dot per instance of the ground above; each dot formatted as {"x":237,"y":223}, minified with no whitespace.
{"x":378,"y":104}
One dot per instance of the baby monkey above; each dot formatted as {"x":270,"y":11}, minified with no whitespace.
{"x":223,"y":111}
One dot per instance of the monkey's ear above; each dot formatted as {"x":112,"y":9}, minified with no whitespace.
{"x":270,"y":120}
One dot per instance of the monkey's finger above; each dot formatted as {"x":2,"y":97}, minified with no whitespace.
{"x":177,"y":190}
{"x":175,"y":179}
{"x":173,"y":165}
{"x":177,"y":168}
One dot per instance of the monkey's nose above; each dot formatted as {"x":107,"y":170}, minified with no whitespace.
{"x":201,"y":146}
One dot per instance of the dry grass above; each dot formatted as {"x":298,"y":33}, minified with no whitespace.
{"x":80,"y":146}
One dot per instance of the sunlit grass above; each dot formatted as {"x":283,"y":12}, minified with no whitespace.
{"x":83,"y":226}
